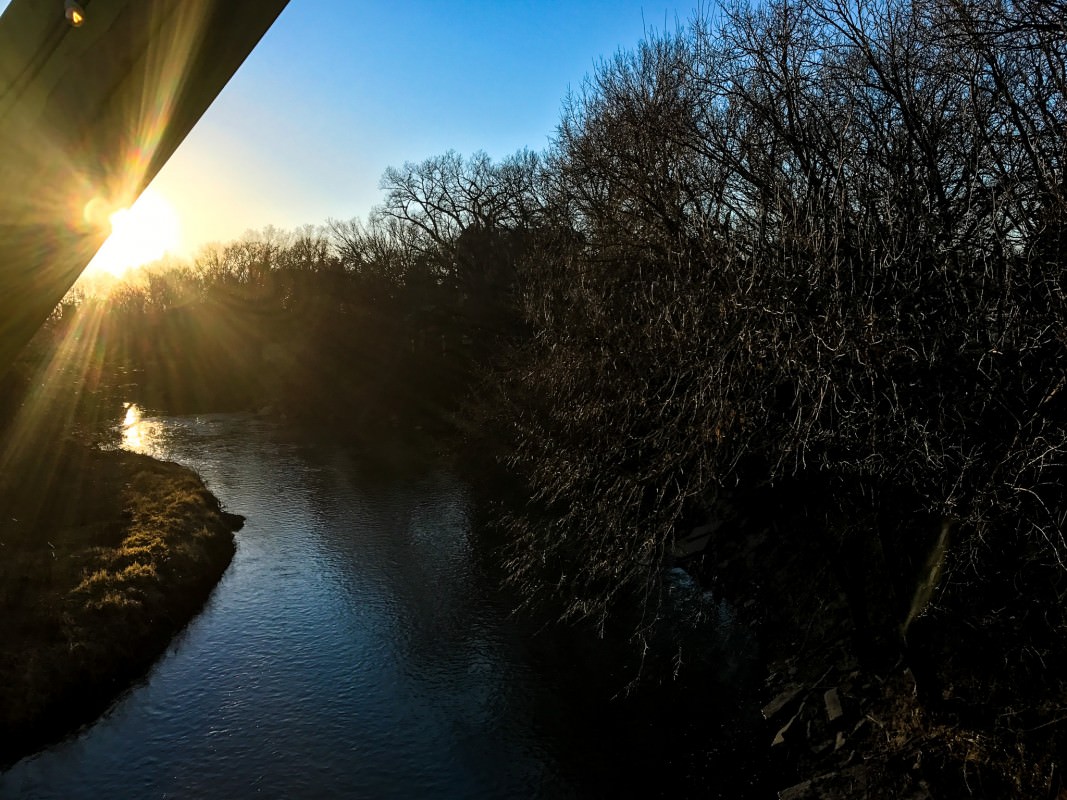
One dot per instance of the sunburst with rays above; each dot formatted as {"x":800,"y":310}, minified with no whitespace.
{"x":145,"y":232}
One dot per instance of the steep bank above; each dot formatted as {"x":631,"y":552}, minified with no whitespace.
{"x":105,"y":556}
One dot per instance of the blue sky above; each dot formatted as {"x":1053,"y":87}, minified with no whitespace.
{"x":338,"y":91}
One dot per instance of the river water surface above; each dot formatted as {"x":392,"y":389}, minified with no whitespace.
{"x":358,"y":647}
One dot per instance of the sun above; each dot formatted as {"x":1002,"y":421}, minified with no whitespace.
{"x":144,"y":232}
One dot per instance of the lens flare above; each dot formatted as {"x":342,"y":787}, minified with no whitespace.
{"x":143,"y":233}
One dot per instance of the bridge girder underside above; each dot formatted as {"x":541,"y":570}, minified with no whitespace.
{"x":88,"y":116}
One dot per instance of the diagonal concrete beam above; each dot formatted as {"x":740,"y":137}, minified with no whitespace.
{"x":88,"y":116}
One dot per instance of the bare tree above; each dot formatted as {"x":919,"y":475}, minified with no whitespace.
{"x":818,"y":243}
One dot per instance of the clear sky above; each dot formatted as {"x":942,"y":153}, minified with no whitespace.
{"x":338,"y":91}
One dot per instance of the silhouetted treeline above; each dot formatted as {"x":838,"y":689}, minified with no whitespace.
{"x":361,"y":325}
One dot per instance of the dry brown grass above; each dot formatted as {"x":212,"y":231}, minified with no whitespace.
{"x":104,"y":555}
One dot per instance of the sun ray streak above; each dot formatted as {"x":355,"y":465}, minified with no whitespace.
{"x":58,"y":388}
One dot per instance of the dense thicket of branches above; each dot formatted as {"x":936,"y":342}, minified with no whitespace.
{"x":820,"y":245}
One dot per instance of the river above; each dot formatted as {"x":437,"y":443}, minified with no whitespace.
{"x":358,"y":647}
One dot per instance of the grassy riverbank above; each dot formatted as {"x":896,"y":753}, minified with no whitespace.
{"x":104,"y":556}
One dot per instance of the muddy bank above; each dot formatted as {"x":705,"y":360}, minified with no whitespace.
{"x":104,"y":556}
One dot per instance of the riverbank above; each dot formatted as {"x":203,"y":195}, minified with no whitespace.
{"x":838,"y":729}
{"x":104,"y":556}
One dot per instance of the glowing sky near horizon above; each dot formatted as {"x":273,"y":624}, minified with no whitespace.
{"x":338,"y":91}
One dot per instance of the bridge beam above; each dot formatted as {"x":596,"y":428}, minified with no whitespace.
{"x":88,"y":116}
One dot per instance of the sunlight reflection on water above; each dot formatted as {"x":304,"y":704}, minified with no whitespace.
{"x":141,"y":434}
